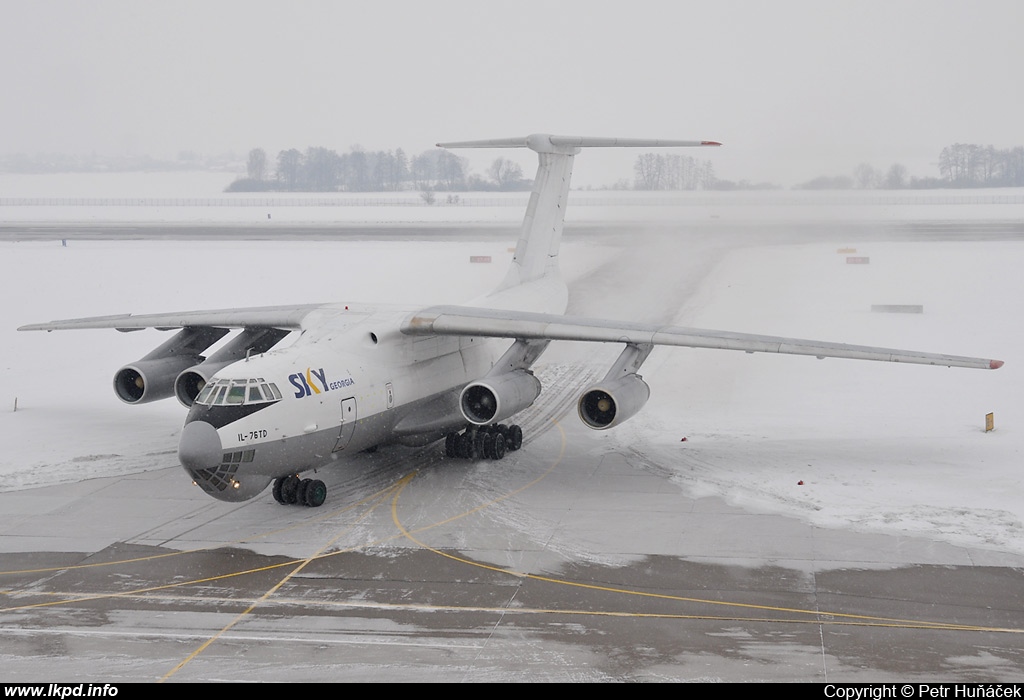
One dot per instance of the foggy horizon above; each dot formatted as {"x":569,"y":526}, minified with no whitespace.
{"x":793,"y":90}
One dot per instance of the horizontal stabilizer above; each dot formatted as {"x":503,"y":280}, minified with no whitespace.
{"x":547,"y":143}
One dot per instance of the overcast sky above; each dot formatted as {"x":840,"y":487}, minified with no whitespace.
{"x":793,"y":88}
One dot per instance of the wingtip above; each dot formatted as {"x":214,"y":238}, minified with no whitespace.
{"x":710,"y":143}
{"x":995,"y":364}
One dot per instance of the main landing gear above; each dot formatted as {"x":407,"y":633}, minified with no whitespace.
{"x":485,"y":442}
{"x":291,"y":490}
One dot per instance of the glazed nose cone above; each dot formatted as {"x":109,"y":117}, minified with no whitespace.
{"x":199,"y":447}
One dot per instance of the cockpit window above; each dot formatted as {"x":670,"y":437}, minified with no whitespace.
{"x":234,"y":392}
{"x":218,"y":395}
{"x":207,"y":390}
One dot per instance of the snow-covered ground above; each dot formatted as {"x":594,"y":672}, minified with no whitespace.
{"x":199,"y":197}
{"x":879,"y":447}
{"x":887,"y":448}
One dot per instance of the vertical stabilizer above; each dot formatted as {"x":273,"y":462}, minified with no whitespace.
{"x":537,"y":249}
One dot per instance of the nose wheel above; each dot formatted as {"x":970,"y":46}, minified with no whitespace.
{"x":484,"y":442}
{"x":291,"y":490}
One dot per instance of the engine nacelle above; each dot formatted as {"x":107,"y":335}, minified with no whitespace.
{"x":151,"y":380}
{"x":152,"y":377}
{"x":192,"y":380}
{"x":496,"y":398}
{"x":609,"y":403}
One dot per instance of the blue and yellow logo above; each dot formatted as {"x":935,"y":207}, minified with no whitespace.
{"x":314,"y":381}
{"x":306,"y":384}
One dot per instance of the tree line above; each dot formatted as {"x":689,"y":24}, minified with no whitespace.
{"x":960,"y":165}
{"x":319,"y":169}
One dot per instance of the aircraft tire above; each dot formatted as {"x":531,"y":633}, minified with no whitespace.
{"x":489,"y":445}
{"x":289,"y":489}
{"x":514,"y":438}
{"x":477,"y":446}
{"x":451,"y":445}
{"x":278,"y":496}
{"x":498,"y":450}
{"x":462,"y":446}
{"x":316,"y":493}
{"x":300,"y":493}
{"x":502,"y":430}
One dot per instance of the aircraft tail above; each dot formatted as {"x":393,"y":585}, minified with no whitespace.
{"x":536,"y":253}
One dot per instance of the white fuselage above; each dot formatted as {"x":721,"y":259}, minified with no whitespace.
{"x":349,"y":382}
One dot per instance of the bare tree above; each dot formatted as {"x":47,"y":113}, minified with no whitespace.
{"x":257,"y":166}
{"x":866,"y":177}
{"x":896,"y":177}
{"x":289,"y":168}
{"x":505,"y":172}
{"x":648,"y":169}
{"x":322,"y":171}
{"x":423,"y":170}
{"x":451,"y":170}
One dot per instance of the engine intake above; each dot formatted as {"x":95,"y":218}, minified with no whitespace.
{"x":152,"y":377}
{"x":610,"y":403}
{"x":496,"y":398}
{"x":151,"y":380}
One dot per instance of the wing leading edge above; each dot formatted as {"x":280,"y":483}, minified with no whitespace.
{"x":284,"y":317}
{"x":469,"y":321}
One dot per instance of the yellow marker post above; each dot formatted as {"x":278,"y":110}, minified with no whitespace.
{"x":990,"y":422}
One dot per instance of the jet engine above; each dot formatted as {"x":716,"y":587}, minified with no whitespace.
{"x":152,"y":377}
{"x":251,"y":341}
{"x":495,"y":398}
{"x":609,"y":403}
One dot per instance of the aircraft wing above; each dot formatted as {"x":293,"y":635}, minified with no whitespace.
{"x":283,"y":317}
{"x":496,"y":323}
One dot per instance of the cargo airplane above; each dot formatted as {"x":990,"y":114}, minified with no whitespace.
{"x":360,"y":376}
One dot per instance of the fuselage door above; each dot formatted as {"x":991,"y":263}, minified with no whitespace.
{"x":348,"y":423}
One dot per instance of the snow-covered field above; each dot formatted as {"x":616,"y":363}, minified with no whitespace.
{"x":879,"y":447}
{"x":199,"y":197}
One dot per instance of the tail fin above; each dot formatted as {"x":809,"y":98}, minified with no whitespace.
{"x":537,"y":250}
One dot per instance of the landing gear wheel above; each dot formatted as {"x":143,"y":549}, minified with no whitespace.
{"x":489,"y":445}
{"x":498,"y":449}
{"x":316,"y":493}
{"x":451,"y":444}
{"x":278,"y":496}
{"x":476,"y":445}
{"x":462,"y":446}
{"x":514,"y":439}
{"x":300,"y":493}
{"x":289,"y":489}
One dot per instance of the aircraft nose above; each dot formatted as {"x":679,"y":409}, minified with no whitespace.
{"x":199,"y":447}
